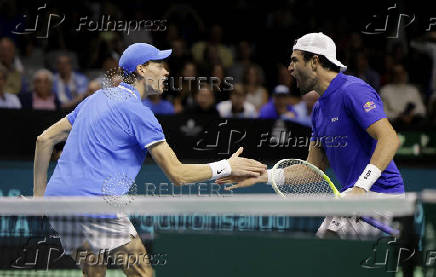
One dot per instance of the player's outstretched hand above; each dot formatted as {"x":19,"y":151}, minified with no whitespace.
{"x":245,"y":167}
{"x":242,"y":181}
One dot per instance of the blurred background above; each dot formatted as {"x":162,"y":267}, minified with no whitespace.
{"x":53,"y":55}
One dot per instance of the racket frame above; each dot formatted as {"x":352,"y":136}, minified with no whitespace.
{"x":371,"y":221}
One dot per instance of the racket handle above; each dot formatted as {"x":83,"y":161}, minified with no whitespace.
{"x":374,"y":223}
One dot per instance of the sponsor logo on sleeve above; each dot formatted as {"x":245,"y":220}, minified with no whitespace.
{"x":370,"y":105}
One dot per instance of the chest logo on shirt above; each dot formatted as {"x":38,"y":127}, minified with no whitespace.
{"x":370,"y":105}
{"x":334,"y":119}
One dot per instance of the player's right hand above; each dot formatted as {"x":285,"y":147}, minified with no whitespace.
{"x":245,"y":167}
{"x":242,"y":181}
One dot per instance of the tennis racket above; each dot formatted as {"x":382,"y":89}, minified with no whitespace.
{"x":291,"y":177}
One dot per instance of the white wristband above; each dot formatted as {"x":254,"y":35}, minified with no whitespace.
{"x":279,"y":176}
{"x":368,"y":177}
{"x":220,"y":169}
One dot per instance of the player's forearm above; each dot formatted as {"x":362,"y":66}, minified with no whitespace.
{"x":191,"y":173}
{"x":386,"y":147}
{"x":43,"y":151}
{"x":385,"y":150}
{"x":317,"y":156}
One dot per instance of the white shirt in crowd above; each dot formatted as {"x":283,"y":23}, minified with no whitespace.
{"x":396,"y":98}
{"x":225,"y":110}
{"x":10,"y":101}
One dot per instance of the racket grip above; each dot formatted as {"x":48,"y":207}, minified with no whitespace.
{"x":374,"y":223}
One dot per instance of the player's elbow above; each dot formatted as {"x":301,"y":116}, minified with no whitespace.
{"x":396,"y":141}
{"x":43,"y":139}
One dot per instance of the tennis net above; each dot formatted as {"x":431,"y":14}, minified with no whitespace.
{"x":52,"y":236}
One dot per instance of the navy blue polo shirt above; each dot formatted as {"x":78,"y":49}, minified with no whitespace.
{"x":107,"y":145}
{"x":340,"y":119}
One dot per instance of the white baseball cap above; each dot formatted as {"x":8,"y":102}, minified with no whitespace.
{"x":281,"y":90}
{"x":320,"y":44}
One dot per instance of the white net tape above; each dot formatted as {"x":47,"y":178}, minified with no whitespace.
{"x":242,"y":204}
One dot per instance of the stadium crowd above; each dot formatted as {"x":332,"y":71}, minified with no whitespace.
{"x":248,"y":72}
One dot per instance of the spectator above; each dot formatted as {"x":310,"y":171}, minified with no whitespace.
{"x":212,"y":49}
{"x":283,"y":76}
{"x":365,"y":72}
{"x":138,"y":34}
{"x":186,"y":88}
{"x":187,"y":18}
{"x":204,"y":103}
{"x":42,"y":96}
{"x":14,"y":83}
{"x":32,"y":57}
{"x":244,"y":61}
{"x":220,"y":87}
{"x":178,"y":57}
{"x":237,"y":106}
{"x":402,"y":101}
{"x":69,"y":86}
{"x":386,"y":77}
{"x":93,"y":86}
{"x":279,"y":106}
{"x":256,"y":93}
{"x":304,"y":108}
{"x":354,"y":45}
{"x":109,"y":75}
{"x":427,"y":45}
{"x":7,"y":100}
{"x":158,"y":105}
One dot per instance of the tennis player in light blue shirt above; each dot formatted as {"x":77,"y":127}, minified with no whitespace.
{"x":119,"y":129}
{"x":107,"y":138}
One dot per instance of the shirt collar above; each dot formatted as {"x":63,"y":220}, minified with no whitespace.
{"x":334,"y":85}
{"x":131,"y":89}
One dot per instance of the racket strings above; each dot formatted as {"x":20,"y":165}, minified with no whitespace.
{"x":299,"y":178}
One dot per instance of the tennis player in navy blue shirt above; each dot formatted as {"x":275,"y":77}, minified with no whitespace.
{"x":107,"y":138}
{"x":350,"y":131}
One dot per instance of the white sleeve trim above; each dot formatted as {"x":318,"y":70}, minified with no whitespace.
{"x":153,"y":142}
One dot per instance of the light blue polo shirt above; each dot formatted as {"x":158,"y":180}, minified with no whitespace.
{"x":339,"y":121}
{"x":107,"y":144}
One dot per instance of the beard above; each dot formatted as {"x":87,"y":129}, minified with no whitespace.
{"x":307,"y":85}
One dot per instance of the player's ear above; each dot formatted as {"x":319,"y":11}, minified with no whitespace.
{"x":140,"y":69}
{"x":314,"y":62}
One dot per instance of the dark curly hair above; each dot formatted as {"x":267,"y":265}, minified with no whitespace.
{"x":323,"y":61}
